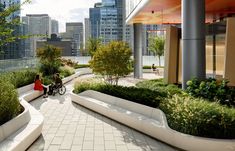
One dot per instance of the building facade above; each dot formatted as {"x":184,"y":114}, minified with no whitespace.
{"x":54,"y":27}
{"x":67,"y":46}
{"x":107,"y":20}
{"x":39,"y":25}
{"x":95,"y":20}
{"x":87,"y":33}
{"x":74,"y":31}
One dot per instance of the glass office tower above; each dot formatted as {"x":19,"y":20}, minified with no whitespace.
{"x":107,"y":20}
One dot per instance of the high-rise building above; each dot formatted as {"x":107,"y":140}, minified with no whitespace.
{"x":87,"y":31}
{"x":54,"y":27}
{"x":107,"y":20}
{"x":38,"y":24}
{"x":11,"y":50}
{"x":74,"y":30}
{"x":95,"y":20}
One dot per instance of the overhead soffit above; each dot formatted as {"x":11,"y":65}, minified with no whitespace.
{"x":169,"y":11}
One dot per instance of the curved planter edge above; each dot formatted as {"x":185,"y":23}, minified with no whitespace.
{"x":15,"y":124}
{"x":164,"y":133}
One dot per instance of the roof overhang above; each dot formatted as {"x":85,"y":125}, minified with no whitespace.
{"x":169,"y":11}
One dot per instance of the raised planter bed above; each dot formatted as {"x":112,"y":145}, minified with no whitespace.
{"x":148,"y":120}
{"x":23,"y":130}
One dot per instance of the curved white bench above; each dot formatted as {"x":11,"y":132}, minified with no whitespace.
{"x":24,"y":129}
{"x":19,"y":133}
{"x":148,"y":120}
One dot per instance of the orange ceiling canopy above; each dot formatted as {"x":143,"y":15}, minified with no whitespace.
{"x":169,"y":11}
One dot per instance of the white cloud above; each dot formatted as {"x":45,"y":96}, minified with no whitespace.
{"x":61,"y":10}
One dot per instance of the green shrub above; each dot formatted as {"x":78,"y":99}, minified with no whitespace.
{"x":9,"y":103}
{"x":212,"y":90}
{"x":49,"y":68}
{"x":20,"y":78}
{"x":77,"y":66}
{"x":160,"y":86}
{"x":138,"y":95}
{"x":66,"y":71}
{"x":199,"y":117}
{"x":47,"y":80}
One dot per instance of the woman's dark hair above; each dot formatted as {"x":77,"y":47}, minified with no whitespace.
{"x":36,"y":78}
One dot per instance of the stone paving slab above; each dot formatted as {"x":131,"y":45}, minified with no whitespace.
{"x":71,"y":127}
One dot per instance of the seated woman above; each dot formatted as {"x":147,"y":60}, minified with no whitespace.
{"x":39,"y":86}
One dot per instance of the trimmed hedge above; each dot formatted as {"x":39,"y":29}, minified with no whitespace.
{"x":160,"y":86}
{"x":199,"y":117}
{"x":139,"y":95}
{"x":186,"y":114}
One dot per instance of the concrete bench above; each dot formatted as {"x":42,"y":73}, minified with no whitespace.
{"x":148,"y":120}
{"x":20,"y":132}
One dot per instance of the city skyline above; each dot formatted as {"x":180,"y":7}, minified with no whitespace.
{"x":63,"y":10}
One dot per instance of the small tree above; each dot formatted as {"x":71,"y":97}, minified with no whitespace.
{"x":50,"y":59}
{"x":93,"y":45}
{"x":156,"y":45}
{"x":112,"y":61}
{"x":8,"y":26}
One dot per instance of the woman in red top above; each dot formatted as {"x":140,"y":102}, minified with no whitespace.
{"x":39,"y":86}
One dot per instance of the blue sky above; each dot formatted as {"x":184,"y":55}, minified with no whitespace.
{"x":61,"y":10}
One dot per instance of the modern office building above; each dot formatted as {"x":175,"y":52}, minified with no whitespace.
{"x":199,"y":36}
{"x":74,"y":31}
{"x":107,"y":20}
{"x":87,"y":33}
{"x":68,"y":46}
{"x":39,"y":25}
{"x":54,"y":27}
{"x":95,"y":20}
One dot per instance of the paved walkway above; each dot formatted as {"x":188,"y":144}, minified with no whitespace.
{"x":69,"y":126}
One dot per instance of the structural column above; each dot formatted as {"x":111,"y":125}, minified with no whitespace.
{"x":138,"y":58}
{"x":193,"y":36}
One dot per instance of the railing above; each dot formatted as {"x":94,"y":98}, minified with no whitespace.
{"x":17,"y":64}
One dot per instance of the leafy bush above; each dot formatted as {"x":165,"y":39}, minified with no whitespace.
{"x":199,"y":117}
{"x":20,"y":78}
{"x":160,"y":86}
{"x":50,"y":59}
{"x":212,"y":90}
{"x":77,"y":66}
{"x":138,"y":95}
{"x":9,"y":103}
{"x":66,"y":71}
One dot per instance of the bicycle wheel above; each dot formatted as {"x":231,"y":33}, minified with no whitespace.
{"x":62,"y":90}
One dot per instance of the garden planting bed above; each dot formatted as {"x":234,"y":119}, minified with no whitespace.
{"x":150,"y":121}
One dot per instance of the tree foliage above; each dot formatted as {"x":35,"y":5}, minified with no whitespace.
{"x":156,"y":45}
{"x":93,"y":45}
{"x":7,"y":25}
{"x":112,"y":61}
{"x":50,"y":59}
